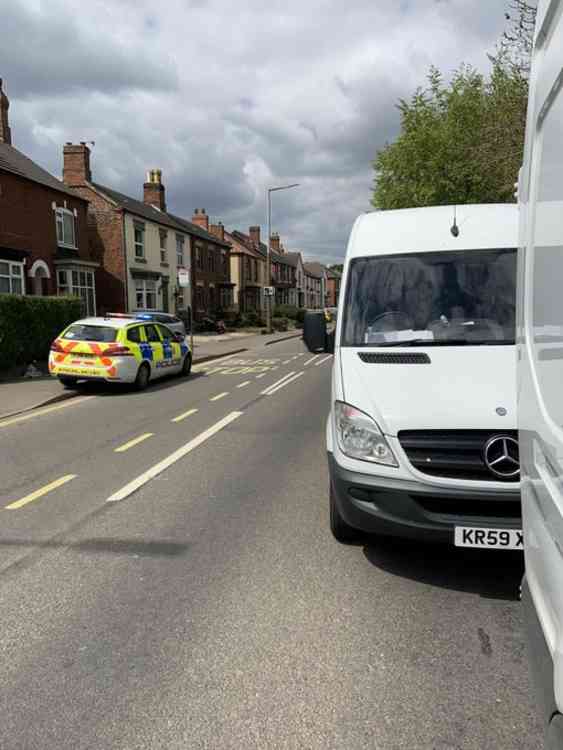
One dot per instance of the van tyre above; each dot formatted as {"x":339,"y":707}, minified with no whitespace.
{"x":143,"y":377}
{"x":68,"y":382}
{"x":341,"y":531}
{"x":187,"y":365}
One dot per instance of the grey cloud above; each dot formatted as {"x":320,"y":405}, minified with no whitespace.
{"x":256,"y":94}
{"x":46,"y":52}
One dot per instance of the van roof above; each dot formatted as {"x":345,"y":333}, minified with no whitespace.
{"x":427,"y":229}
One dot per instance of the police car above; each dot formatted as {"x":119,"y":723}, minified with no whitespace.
{"x":118,"y":350}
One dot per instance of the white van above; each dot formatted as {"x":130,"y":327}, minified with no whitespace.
{"x":421,"y":436}
{"x":540,"y":371}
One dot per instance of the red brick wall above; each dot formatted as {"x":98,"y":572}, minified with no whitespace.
{"x":207,"y":276}
{"x":105,"y":224}
{"x":27,"y":222}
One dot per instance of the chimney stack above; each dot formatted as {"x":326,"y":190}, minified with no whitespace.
{"x":275,"y":243}
{"x":201,"y":219}
{"x":153,"y":190}
{"x":76,"y":164}
{"x":5,"y":132}
{"x":254,"y":233}
{"x":218,"y":230}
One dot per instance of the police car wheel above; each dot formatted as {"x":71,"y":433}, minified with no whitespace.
{"x":68,"y":382}
{"x":143,"y":376}
{"x":187,"y":366}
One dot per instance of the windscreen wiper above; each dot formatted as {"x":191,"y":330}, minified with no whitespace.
{"x":447,"y":342}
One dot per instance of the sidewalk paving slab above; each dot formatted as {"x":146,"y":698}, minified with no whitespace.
{"x":25,"y":394}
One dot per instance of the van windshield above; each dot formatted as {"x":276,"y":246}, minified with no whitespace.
{"x":431,"y":299}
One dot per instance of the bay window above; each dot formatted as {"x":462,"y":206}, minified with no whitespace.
{"x":11,"y":278}
{"x":145,"y":294}
{"x":78,"y":282}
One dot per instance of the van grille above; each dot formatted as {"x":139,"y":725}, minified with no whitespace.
{"x":382,"y":358}
{"x":457,"y":454}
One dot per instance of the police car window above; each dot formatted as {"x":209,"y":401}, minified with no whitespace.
{"x":165,"y":332}
{"x":79,"y":332}
{"x":152,"y":334}
{"x":134,"y":335}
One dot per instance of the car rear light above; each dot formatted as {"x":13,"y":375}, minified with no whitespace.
{"x":118,"y":351}
{"x":56,"y":347}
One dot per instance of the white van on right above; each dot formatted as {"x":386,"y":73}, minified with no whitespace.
{"x":540,"y":366}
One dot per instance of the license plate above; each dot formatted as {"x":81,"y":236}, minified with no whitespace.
{"x":470,"y":536}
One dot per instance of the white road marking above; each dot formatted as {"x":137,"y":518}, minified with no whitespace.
{"x":287,"y":361}
{"x":287,"y":382}
{"x":261,"y":376}
{"x":323,"y":360}
{"x":281,"y":380}
{"x":241,"y":385}
{"x":135,"y":441}
{"x":161,"y":466}
{"x":308,"y":362}
{"x":186,"y":414}
{"x":300,"y":355}
{"x":219,"y":395}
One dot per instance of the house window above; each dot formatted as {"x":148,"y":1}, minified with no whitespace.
{"x":163,"y":242}
{"x":212,"y":259}
{"x":139,"y":241}
{"x":180,"y":250}
{"x":66,"y":234}
{"x":145,"y":294}
{"x":199,"y":255}
{"x":78,"y":283}
{"x":11,"y":278}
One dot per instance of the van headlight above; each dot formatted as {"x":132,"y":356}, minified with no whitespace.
{"x":360,"y":437}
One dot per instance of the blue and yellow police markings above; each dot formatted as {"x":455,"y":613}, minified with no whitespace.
{"x":171,"y":354}
{"x":239,"y":367}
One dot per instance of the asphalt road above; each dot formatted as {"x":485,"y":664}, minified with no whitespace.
{"x":185,"y":591}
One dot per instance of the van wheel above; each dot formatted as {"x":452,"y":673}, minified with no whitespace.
{"x":341,"y":531}
{"x":68,"y":382}
{"x":143,"y":377}
{"x":187,"y":366}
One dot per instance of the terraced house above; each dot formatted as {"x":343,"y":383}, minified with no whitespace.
{"x":141,"y":245}
{"x":44,"y":247}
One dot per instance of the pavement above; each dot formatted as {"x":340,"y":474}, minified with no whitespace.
{"x":168,"y":581}
{"x":25,"y":394}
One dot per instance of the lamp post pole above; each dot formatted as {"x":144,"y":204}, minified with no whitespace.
{"x":269,"y":250}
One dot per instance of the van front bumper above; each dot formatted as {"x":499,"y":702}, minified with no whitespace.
{"x":399,"y":507}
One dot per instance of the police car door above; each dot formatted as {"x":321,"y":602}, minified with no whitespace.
{"x":170,"y":349}
{"x":155,"y":343}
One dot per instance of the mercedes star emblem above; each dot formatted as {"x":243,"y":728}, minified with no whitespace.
{"x":502,"y":456}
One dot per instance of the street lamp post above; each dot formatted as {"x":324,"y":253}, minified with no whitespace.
{"x":269,"y":252}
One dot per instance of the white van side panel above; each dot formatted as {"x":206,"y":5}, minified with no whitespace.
{"x":541,"y":333}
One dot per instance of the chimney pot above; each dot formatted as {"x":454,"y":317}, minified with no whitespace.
{"x":201,"y":219}
{"x":154,"y":193}
{"x":5,"y":131}
{"x":76,"y":164}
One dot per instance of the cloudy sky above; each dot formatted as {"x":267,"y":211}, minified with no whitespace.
{"x":230,"y":98}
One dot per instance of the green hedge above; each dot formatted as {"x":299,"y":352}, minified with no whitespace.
{"x":28,"y":325}
{"x":285,"y":311}
{"x":300,"y":317}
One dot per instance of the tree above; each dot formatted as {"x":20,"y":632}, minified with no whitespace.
{"x":515,"y":47}
{"x":462,"y":141}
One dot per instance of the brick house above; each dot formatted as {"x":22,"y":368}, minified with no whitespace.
{"x":333,"y":279}
{"x":44,"y":247}
{"x":248,"y":270}
{"x":139,"y":243}
{"x":315,"y":285}
{"x":211,"y":265}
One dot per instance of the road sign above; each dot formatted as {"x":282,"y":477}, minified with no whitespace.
{"x":183,"y":277}
{"x":269,"y":291}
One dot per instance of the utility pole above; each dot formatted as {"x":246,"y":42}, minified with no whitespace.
{"x":269,"y":251}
